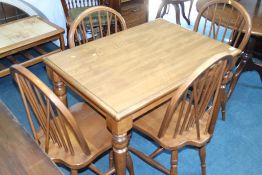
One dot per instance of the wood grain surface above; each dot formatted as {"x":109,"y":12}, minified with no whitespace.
{"x":19,"y":154}
{"x":26,"y":31}
{"x":122,"y":73}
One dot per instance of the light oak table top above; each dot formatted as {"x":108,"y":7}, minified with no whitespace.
{"x":122,"y":73}
{"x":254,"y":8}
{"x":24,"y":32}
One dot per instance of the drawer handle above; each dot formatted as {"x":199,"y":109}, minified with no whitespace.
{"x":134,"y":10}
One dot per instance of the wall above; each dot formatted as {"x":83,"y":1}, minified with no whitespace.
{"x":52,"y":9}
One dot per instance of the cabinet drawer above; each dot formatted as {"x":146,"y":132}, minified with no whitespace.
{"x":134,"y":13}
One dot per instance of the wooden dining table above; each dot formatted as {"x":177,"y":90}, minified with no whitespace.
{"x":129,"y":73}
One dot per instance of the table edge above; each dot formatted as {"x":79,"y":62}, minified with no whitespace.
{"x":106,"y":109}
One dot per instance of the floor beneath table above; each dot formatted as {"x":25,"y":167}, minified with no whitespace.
{"x":234,"y":150}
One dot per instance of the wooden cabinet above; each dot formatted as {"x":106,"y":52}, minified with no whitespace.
{"x":135,"y":12}
{"x":10,"y":13}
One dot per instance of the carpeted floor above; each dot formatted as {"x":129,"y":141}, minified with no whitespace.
{"x":235,"y":149}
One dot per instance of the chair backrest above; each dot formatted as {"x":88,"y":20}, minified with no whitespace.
{"x":52,"y":116}
{"x":194,"y":99}
{"x":68,"y":5}
{"x":94,"y":23}
{"x":225,"y":20}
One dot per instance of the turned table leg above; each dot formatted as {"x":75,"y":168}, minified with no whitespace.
{"x":59,"y":86}
{"x":119,"y":130}
{"x":120,"y":143}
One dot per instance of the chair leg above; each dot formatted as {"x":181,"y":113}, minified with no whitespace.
{"x":129,"y":165}
{"x":167,"y":8}
{"x":174,"y":159}
{"x":183,"y":12}
{"x":73,"y":172}
{"x":190,"y":8}
{"x":162,"y":6}
{"x":67,"y":34}
{"x":202,"y":155}
{"x":111,"y":160}
{"x":177,"y":9}
{"x":237,"y":74}
{"x":223,"y":101}
{"x":233,"y":83}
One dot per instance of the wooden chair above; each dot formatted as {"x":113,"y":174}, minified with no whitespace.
{"x":74,"y":137}
{"x":229,"y":22}
{"x":73,"y":8}
{"x":165,"y":4}
{"x":188,"y":118}
{"x":93,"y":23}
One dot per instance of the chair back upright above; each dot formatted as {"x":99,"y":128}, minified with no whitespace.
{"x":69,"y":5}
{"x":46,"y":111}
{"x":93,"y":23}
{"x":191,"y":109}
{"x":225,"y":20}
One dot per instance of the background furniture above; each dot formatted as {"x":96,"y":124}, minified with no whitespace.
{"x":19,"y":154}
{"x":162,"y":10}
{"x":135,"y":12}
{"x":53,"y":13}
{"x":229,"y":22}
{"x":96,"y":22}
{"x":27,"y":33}
{"x":74,"y":137}
{"x":188,"y":118}
{"x":72,"y":8}
{"x":10,"y":13}
{"x":254,"y":46}
{"x":133,"y":75}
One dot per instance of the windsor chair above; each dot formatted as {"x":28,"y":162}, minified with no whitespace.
{"x":188,"y":118}
{"x":74,"y":137}
{"x":229,"y":22}
{"x":165,"y":5}
{"x":94,"y":23}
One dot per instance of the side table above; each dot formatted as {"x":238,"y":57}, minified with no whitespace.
{"x":27,"y":33}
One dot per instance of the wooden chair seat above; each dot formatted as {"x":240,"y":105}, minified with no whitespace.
{"x":151,"y":123}
{"x":96,"y":134}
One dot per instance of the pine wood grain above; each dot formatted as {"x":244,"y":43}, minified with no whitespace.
{"x":124,"y":72}
{"x":21,"y":34}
